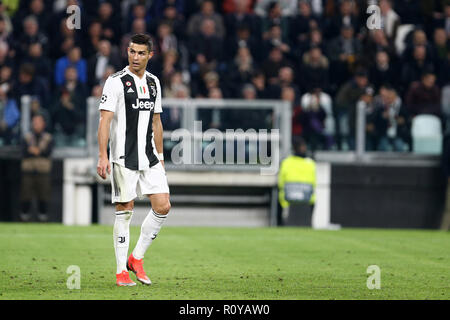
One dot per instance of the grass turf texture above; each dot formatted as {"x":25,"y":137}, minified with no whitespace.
{"x":227,"y":263}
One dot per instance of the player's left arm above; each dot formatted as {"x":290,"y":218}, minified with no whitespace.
{"x":158,"y":134}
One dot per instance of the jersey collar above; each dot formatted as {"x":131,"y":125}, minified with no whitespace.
{"x":127,"y":69}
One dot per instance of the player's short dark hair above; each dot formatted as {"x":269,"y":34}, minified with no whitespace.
{"x":142,"y":38}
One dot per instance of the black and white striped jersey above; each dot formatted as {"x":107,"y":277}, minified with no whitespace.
{"x":133,"y":101}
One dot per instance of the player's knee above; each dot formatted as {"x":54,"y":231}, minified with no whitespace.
{"x":125,"y":206}
{"x":163,"y":208}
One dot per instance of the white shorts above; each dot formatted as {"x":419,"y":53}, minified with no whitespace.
{"x":128,"y":184}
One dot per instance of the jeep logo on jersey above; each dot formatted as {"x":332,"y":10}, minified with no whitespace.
{"x":143,"y":105}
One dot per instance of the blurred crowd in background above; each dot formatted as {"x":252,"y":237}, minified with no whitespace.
{"x":318,"y":55}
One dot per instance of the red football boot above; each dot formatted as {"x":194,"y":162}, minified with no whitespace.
{"x":137,"y":266}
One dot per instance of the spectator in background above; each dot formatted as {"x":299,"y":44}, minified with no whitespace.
{"x":298,"y":117}
{"x":254,"y":119}
{"x":211,"y":118}
{"x":314,"y":40}
{"x":344,"y":51}
{"x":92,"y":39}
{"x":171,"y":117}
{"x":248,"y":92}
{"x":259,"y":82}
{"x":138,"y":12}
{"x":318,"y":8}
{"x":419,"y":38}
{"x":272,"y":65}
{"x":4,"y":17}
{"x":383,"y":71}
{"x":166,"y":40}
{"x":391,"y":121}
{"x":302,"y":24}
{"x":412,"y":71}
{"x":287,"y":8}
{"x":36,"y":168}
{"x":173,"y":18}
{"x":31,"y":34}
{"x":347,"y":17}
{"x":6,"y":72}
{"x":274,"y":17}
{"x":9,"y":118}
{"x":372,"y":133}
{"x":37,"y":109}
{"x":441,"y":54}
{"x":69,"y":111}
{"x":170,"y":65}
{"x":28,"y":83}
{"x":345,"y":111}
{"x":158,"y":6}
{"x":41,"y":63}
{"x":196,"y":21}
{"x":109,"y":20}
{"x":286,"y":78}
{"x":210,"y":80}
{"x":390,"y":20}
{"x":97,"y":64}
{"x":313,"y":103}
{"x":241,"y":71}
{"x":314,"y":70}
{"x":375,"y":42}
{"x":169,"y":88}
{"x":206,"y":48}
{"x":5,"y":33}
{"x":73,"y":58}
{"x":424,"y":97}
{"x":313,"y":122}
{"x":244,"y":38}
{"x":239,"y":16}
{"x":64,"y":41}
{"x":37,"y":9}
{"x":5,"y":59}
{"x":442,"y":20}
{"x":274,"y":38}
{"x":441,"y":45}
{"x":60,"y":14}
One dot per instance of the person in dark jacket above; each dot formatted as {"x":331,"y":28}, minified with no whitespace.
{"x":36,"y":167}
{"x":391,"y":121}
{"x":345,"y":107}
{"x":424,"y":97}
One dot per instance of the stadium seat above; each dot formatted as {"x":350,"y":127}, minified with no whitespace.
{"x":426,"y":132}
{"x":402,"y":32}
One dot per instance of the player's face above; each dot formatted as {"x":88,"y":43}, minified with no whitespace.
{"x":138,"y":56}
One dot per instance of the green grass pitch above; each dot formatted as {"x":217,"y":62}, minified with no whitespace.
{"x":227,"y":263}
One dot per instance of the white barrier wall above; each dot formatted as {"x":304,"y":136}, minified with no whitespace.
{"x":80,"y":175}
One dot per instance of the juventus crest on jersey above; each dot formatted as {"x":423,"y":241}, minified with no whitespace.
{"x":133,"y":100}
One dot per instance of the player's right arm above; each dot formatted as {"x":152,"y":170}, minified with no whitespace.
{"x":107,"y":108}
{"x":103,"y":164}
